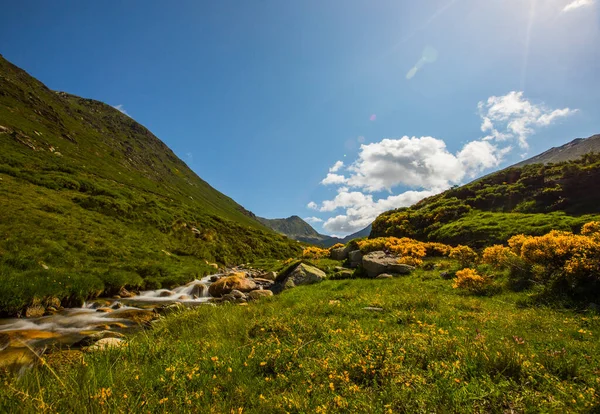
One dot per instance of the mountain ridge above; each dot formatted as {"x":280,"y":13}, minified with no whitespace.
{"x":298,"y":229}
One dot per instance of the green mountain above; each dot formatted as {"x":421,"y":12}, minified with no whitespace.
{"x":90,"y":200}
{"x":529,"y":198}
{"x":296,"y":228}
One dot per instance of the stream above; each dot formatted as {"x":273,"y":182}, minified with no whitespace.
{"x":23,"y":339}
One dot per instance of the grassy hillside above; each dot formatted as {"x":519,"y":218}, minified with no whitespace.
{"x":425,"y":348}
{"x":91,"y":200}
{"x":531,"y":199}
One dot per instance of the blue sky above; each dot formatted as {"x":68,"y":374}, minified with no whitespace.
{"x":263,"y":98}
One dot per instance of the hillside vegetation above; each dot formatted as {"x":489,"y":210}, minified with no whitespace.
{"x":90,"y":200}
{"x":531,"y":199}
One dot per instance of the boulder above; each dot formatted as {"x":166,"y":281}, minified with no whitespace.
{"x":124,"y":293}
{"x":376,"y":263}
{"x":268,"y":276}
{"x":355,"y":258}
{"x":107,"y":343}
{"x":263,"y":283}
{"x":236,"y":281}
{"x":302,"y":274}
{"x":237,"y":294}
{"x":35,"y":311}
{"x":50,"y":310}
{"x":341,"y":253}
{"x":258,"y":294}
{"x":139,"y":316}
{"x":345,"y":274}
{"x":172,"y":307}
{"x":96,"y":336}
{"x":195,"y":288}
{"x":53,"y":302}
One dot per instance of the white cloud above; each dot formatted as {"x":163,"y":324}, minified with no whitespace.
{"x":364,"y":210}
{"x":121,"y":109}
{"x":333,"y":179}
{"x":517,"y":116}
{"x":416,"y":162}
{"x":312,"y":205}
{"x":313,"y":220}
{"x":425,"y":165}
{"x":577,"y":4}
{"x":336,"y":167}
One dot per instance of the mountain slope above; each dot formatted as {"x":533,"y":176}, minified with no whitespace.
{"x":293,"y":227}
{"x":90,"y":196}
{"x":568,"y":152}
{"x":530,"y":199}
{"x":296,"y":228}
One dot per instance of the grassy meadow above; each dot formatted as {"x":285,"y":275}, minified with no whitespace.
{"x":427,"y":348}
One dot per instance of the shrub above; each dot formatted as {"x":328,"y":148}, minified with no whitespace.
{"x":559,"y":261}
{"x":496,"y":255}
{"x":469,"y":280}
{"x":464,"y":254}
{"x":313,"y":252}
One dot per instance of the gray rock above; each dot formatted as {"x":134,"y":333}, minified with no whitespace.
{"x":376,"y":263}
{"x":35,"y":311}
{"x":268,"y":276}
{"x":95,"y":337}
{"x":373,"y":309}
{"x":107,"y":343}
{"x":237,"y":294}
{"x":258,"y":294}
{"x":355,"y":258}
{"x":303,"y":274}
{"x":345,"y":274}
{"x":385,"y":276}
{"x":341,"y":253}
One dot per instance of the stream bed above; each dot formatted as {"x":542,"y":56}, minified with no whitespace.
{"x":24,"y":340}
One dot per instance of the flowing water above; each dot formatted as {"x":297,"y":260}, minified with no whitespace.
{"x":22,"y":339}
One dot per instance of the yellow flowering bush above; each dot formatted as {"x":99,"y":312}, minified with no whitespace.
{"x":559,"y":258}
{"x":591,"y":229}
{"x":496,"y":255}
{"x":464,"y":254}
{"x":313,"y":252}
{"x":337,"y":246}
{"x":437,"y":249}
{"x":469,"y":280}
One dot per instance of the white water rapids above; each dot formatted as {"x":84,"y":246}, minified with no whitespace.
{"x":68,"y":326}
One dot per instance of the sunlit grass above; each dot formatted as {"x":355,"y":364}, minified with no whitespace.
{"x":315,"y":349}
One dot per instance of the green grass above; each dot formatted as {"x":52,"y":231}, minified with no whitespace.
{"x":315,"y":349}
